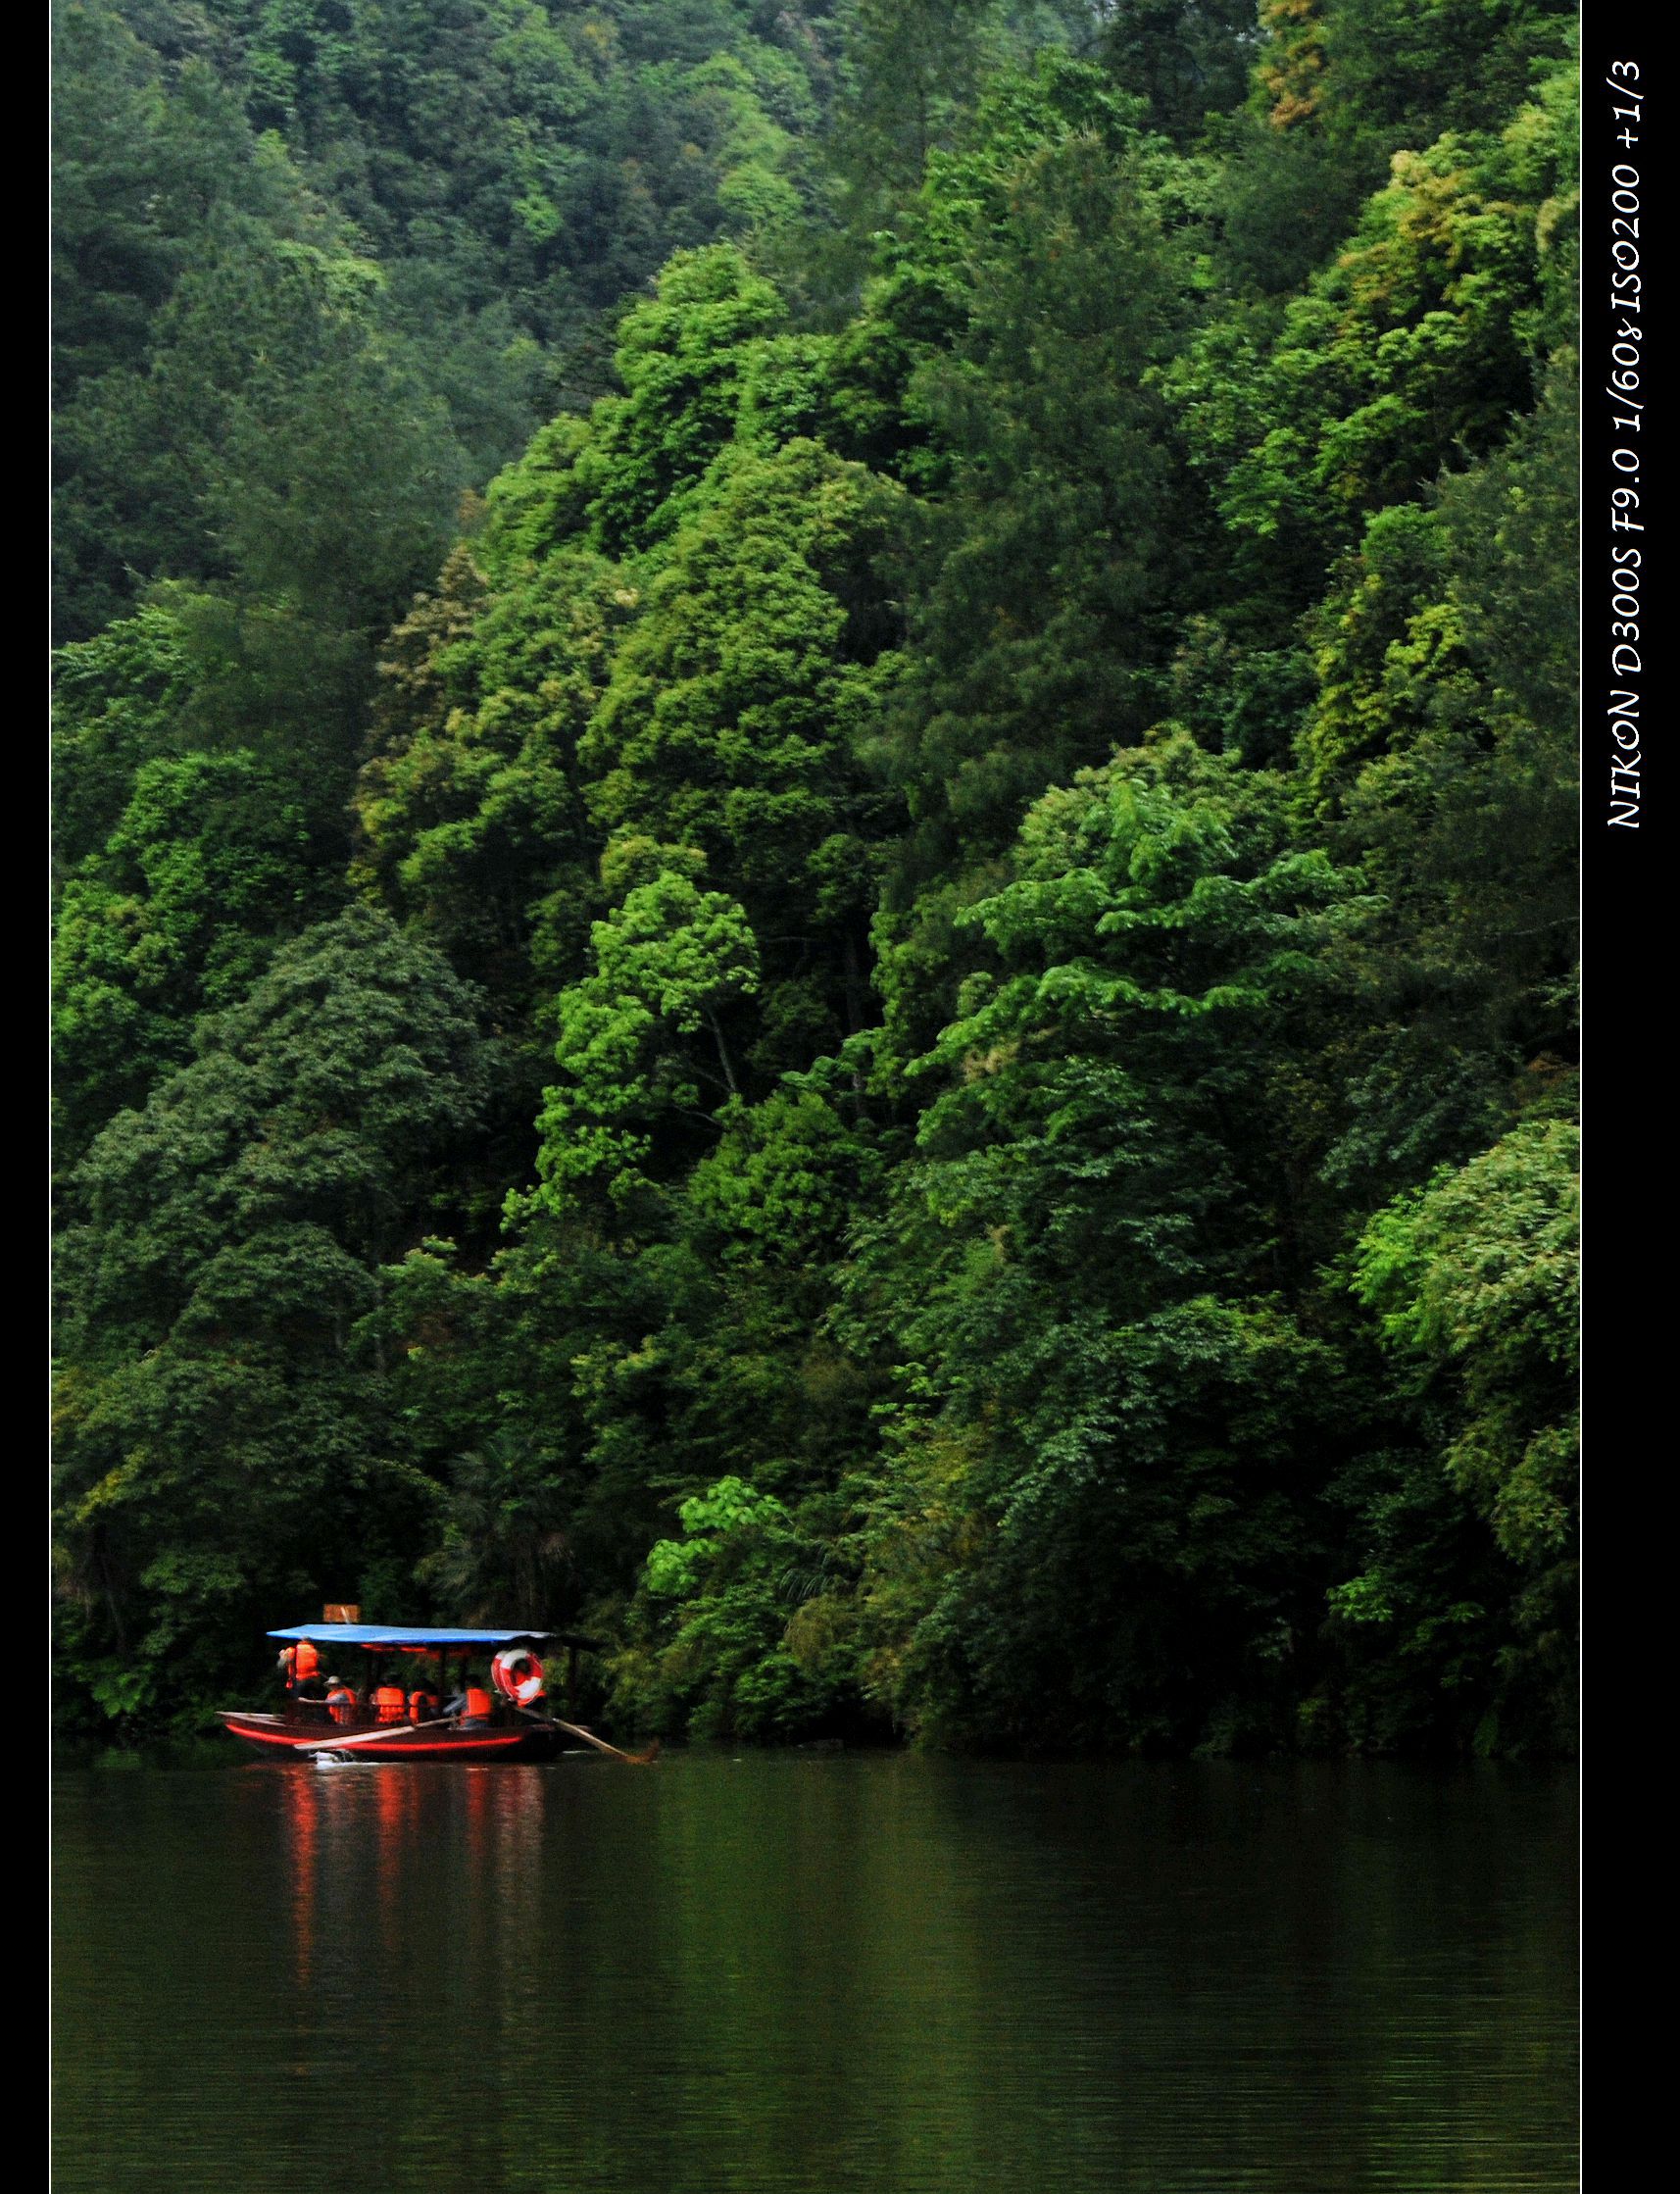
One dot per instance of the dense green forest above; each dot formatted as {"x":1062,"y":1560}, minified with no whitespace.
{"x":815,"y":836}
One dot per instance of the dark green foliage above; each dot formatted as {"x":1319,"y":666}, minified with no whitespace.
{"x":473,"y":188}
{"x":905,"y":1037}
{"x":1466,"y":824}
{"x":1188,"y":59}
{"x":229,"y":405}
{"x":1052,"y":550}
{"x":220,"y":1414}
{"x":1081,"y":1274}
{"x":913,"y":74}
{"x":503,"y":1556}
{"x":530,"y":166}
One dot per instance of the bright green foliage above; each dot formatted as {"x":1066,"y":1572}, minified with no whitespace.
{"x":777,"y":1190}
{"x":736,"y":714}
{"x":518,"y":727}
{"x":679,"y":359}
{"x":1385,"y":637}
{"x":1475,"y":1277}
{"x":643,"y":1037}
{"x":742,"y":1651}
{"x":175,"y":917}
{"x":1474,"y":1281}
{"x":715,"y":693}
{"x":736,"y":705}
{"x":118,"y":704}
{"x":1405,"y":353}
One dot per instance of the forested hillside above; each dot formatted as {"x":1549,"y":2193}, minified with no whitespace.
{"x":816,"y":827}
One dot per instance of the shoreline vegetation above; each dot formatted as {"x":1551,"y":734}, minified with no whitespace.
{"x":816,"y":856}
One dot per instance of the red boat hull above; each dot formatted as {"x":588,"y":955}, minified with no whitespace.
{"x":277,"y":1735}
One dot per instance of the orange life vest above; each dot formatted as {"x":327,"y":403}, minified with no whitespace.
{"x":479,"y":1704}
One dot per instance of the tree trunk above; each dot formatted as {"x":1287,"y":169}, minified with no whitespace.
{"x":724,"y":1059}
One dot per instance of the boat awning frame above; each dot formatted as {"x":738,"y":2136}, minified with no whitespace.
{"x":428,"y":1640}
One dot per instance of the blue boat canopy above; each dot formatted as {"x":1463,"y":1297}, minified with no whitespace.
{"x":379,"y":1635}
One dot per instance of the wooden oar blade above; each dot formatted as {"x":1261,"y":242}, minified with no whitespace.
{"x":367,"y":1737}
{"x":630,"y":1758}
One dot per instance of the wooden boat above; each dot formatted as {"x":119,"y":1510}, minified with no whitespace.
{"x":502,"y":1715}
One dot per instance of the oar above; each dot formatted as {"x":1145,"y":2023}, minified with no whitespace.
{"x":367,"y":1737}
{"x":630,"y":1758}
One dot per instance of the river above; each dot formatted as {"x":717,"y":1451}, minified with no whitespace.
{"x":798,"y":1973}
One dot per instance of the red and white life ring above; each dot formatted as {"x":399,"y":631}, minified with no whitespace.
{"x":517,"y":1673}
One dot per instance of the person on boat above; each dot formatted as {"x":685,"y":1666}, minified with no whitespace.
{"x":422,"y":1704}
{"x":340,"y":1701}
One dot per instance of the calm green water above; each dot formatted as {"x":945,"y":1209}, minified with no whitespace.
{"x":805,"y":1973}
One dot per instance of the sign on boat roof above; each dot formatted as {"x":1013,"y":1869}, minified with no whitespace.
{"x":380,"y":1634}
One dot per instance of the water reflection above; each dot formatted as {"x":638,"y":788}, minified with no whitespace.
{"x":793,"y":1975}
{"x":302,"y":1803}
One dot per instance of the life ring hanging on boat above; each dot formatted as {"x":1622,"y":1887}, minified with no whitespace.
{"x":517,"y":1673}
